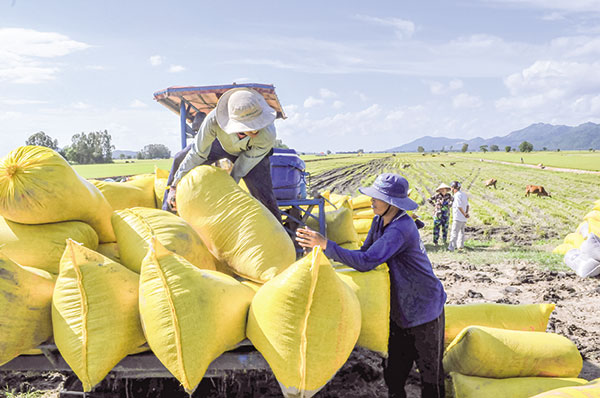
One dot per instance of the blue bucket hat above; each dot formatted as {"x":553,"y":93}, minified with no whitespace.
{"x":392,"y":189}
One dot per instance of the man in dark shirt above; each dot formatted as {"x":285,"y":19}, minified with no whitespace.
{"x":417,"y":295}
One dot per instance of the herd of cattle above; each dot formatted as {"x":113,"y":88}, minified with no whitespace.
{"x":529,"y":189}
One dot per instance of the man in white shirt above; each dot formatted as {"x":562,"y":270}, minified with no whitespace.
{"x":460,"y":214}
{"x":240,"y":129}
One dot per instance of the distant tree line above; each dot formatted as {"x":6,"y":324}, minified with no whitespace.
{"x":94,"y":147}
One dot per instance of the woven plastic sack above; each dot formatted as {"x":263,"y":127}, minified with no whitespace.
{"x":593,"y":215}
{"x":38,"y":186}
{"x":340,"y":228}
{"x":589,"y":390}
{"x":583,"y":265}
{"x":136,"y":227}
{"x":361,"y":202}
{"x":160,"y":185}
{"x":95,"y":313}
{"x":524,"y":317}
{"x":563,"y":248}
{"x":190,"y":316}
{"x":236,"y":227}
{"x":110,"y":250}
{"x":123,"y":195}
{"x":305,"y":322}
{"x":362,"y":225}
{"x":462,"y":386}
{"x":25,"y":308}
{"x":41,"y":246}
{"x":574,"y":239}
{"x":591,"y":247}
{"x":373,"y":291}
{"x":363,"y":213}
{"x":499,"y":353}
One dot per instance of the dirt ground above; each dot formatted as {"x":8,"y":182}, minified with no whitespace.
{"x":577,"y":317}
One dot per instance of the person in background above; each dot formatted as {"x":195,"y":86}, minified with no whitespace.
{"x":417,"y":295}
{"x":460,"y":214}
{"x":241,"y":129}
{"x":441,"y":201}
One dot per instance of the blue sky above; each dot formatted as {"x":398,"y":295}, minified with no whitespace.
{"x":350,"y":75}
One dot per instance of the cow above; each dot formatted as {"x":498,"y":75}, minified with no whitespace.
{"x":405,"y":165}
{"x":536,"y":190}
{"x":491,"y":182}
{"x":452,"y":163}
{"x":442,"y":164}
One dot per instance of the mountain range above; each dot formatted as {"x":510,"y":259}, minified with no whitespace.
{"x":540,"y":135}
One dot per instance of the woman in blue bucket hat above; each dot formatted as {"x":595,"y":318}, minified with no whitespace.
{"x":417,"y":295}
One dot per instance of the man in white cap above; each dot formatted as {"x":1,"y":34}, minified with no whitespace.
{"x":441,"y":201}
{"x":240,"y":129}
{"x":460,"y":214}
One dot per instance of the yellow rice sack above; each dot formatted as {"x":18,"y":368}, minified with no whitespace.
{"x":160,"y":185}
{"x":589,"y":390}
{"x":236,"y":227}
{"x":361,"y":202}
{"x":135,"y":228}
{"x":340,"y":200}
{"x":340,"y":228}
{"x":351,"y":245}
{"x":305,"y":322}
{"x":373,"y":291}
{"x":363,"y":213}
{"x":499,"y":353}
{"x":563,"y":248}
{"x":362,"y":225}
{"x":38,"y":186}
{"x":25,"y":308}
{"x":593,"y":215}
{"x":95,"y":313}
{"x":41,"y":246}
{"x":462,"y":386}
{"x":574,"y":239}
{"x":190,"y":316}
{"x":123,"y":195}
{"x":525,"y":317}
{"x":110,"y":250}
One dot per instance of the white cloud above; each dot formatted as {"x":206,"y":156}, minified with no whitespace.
{"x":156,"y":60}
{"x":81,"y":105}
{"x":438,"y":88}
{"x":326,"y":93}
{"x":564,"y":5}
{"x":25,"y":53}
{"x":137,"y":104}
{"x":553,"y":16}
{"x":312,"y":101}
{"x":464,"y":100}
{"x":403,"y":28}
{"x":14,"y":101}
{"x":177,"y":68}
{"x":337,"y":104}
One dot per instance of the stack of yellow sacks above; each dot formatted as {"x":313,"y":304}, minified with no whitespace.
{"x":100,"y":308}
{"x":497,"y":350}
{"x":589,"y":225}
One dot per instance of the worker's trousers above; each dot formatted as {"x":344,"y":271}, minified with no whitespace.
{"x":423,"y":345}
{"x":457,"y":235}
{"x":258,"y":180}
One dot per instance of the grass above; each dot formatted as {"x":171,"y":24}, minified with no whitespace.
{"x":583,"y":160}
{"x":12,"y":393}
{"x":120,"y":168}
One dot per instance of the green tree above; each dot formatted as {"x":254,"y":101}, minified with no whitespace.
{"x":94,"y":147}
{"x":494,"y":148}
{"x":155,"y":151}
{"x":464,"y":148}
{"x":420,"y":149}
{"x":279,"y":144}
{"x":525,"y":146}
{"x":507,"y":148}
{"x":484,"y":148}
{"x":41,"y":139}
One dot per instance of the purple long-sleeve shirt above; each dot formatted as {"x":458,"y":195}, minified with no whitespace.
{"x":417,"y":295}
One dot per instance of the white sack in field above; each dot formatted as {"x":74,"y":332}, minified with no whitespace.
{"x":591,"y":247}
{"x":581,"y":263}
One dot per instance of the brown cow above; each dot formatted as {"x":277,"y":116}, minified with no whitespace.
{"x":537,"y":190}
{"x":491,"y":183}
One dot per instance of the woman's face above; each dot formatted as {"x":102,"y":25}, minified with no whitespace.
{"x":379,"y":206}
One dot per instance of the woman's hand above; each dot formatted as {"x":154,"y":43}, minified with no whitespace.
{"x":307,"y":238}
